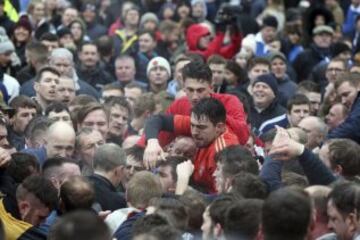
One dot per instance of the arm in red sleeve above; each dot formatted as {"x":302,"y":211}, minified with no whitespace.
{"x":236,"y":119}
{"x":228,"y":51}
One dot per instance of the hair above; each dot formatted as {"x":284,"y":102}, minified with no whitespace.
{"x":145,"y":224}
{"x":108,"y":157}
{"x":46,"y":69}
{"x":162,"y":233}
{"x":167,"y":26}
{"x":236,"y":159}
{"x":195,"y":203}
{"x":286,"y":214}
{"x":146,"y":102}
{"x":21,"y":166}
{"x":149,"y":32}
{"x":174,"y":211}
{"x":88,"y":108}
{"x":37,"y":126}
{"x":136,"y":152}
{"x":124,"y":57}
{"x":38,"y":51}
{"x":51,"y":37}
{"x":80,"y":225}
{"x":338,"y":59}
{"x":308,"y":86}
{"x":23,"y":101}
{"x":85,"y":43}
{"x":235,"y":68}
{"x":293,"y":179}
{"x":83,"y":131}
{"x":197,"y":70}
{"x":319,"y":195}
{"x":346,"y":197}
{"x":249,"y":185}
{"x":172,"y":162}
{"x":352,"y":78}
{"x":216,"y":59}
{"x":41,"y":188}
{"x":243,"y":219}
{"x":218,"y":208}
{"x":62,"y":53}
{"x":142,"y":187}
{"x":345,"y":152}
{"x":77,"y":193}
{"x":105,"y":45}
{"x":258,"y":61}
{"x":56,"y":107}
{"x":51,"y":166}
{"x":133,"y":85}
{"x":297,"y":99}
{"x":118,"y":101}
{"x":189,"y":56}
{"x":111,"y":86}
{"x":210,"y":108}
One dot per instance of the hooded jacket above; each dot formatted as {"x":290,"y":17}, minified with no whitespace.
{"x":196,"y":31}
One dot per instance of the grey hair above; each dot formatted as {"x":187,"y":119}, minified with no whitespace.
{"x":108,"y":157}
{"x":62,"y":53}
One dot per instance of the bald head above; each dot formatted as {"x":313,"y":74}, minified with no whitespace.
{"x":60,"y":140}
{"x":315,"y":129}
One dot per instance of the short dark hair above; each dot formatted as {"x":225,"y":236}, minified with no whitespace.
{"x":197,"y":70}
{"x":172,"y":161}
{"x":238,"y":71}
{"x":218,"y":208}
{"x":51,"y":164}
{"x":136,"y":152}
{"x":258,"y":60}
{"x":249,"y":185}
{"x":111,"y":86}
{"x":118,"y":101}
{"x":345,"y":152}
{"x":297,"y":99}
{"x":51,"y":37}
{"x":23,"y":101}
{"x":56,"y":107}
{"x":36,"y":126}
{"x":88,"y":108}
{"x":105,"y":45}
{"x":346,"y":197}
{"x":80,"y":225}
{"x":77,"y":193}
{"x":41,"y":188}
{"x":211,"y":108}
{"x":85,"y":43}
{"x":216,"y":59}
{"x":22,"y":165}
{"x":309,"y":86}
{"x":163,"y":233}
{"x":236,"y":159}
{"x":286,"y":214}
{"x":145,"y":224}
{"x":146,"y":31}
{"x":243,"y":219}
{"x":352,"y":78}
{"x":46,"y":69}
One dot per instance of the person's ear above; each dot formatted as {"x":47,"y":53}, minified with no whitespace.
{"x":338,"y":170}
{"x":36,"y":86}
{"x":217,"y":230}
{"x":220,"y":128}
{"x":24,"y":208}
{"x":352,"y":223}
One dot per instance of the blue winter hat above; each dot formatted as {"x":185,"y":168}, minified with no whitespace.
{"x":270,"y":80}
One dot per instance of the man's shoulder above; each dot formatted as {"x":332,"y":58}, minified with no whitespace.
{"x":228,"y":138}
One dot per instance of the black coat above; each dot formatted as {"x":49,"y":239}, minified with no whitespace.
{"x":106,"y":194}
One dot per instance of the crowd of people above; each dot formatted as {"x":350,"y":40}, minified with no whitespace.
{"x":183,"y":119}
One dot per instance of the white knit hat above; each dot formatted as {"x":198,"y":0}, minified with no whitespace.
{"x":5,"y":44}
{"x":158,"y":62}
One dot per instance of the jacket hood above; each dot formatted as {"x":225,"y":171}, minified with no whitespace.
{"x":193,"y":35}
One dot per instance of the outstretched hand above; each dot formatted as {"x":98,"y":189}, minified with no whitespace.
{"x":284,"y":148}
{"x":153,"y":152}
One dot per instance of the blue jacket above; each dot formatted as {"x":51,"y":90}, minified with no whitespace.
{"x":349,"y":22}
{"x":350,"y":128}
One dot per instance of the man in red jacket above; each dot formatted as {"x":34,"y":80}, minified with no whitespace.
{"x":197,"y":78}
{"x":208,"y":129}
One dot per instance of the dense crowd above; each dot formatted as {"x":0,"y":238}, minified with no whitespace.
{"x":183,"y":119}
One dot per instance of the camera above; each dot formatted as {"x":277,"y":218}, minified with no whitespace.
{"x":228,"y":14}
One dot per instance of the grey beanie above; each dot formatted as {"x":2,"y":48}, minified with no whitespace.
{"x":5,"y":44}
